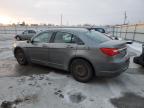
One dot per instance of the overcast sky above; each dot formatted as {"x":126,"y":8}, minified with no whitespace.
{"x":98,"y":12}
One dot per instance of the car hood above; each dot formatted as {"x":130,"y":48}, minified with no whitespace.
{"x":21,"y":43}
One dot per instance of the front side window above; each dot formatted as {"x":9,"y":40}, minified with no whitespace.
{"x":43,"y":37}
{"x":31,"y":31}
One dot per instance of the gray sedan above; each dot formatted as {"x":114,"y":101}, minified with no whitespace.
{"x":26,"y":35}
{"x":83,"y":52}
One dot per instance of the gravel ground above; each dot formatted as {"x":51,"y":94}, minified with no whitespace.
{"x":35,"y":86}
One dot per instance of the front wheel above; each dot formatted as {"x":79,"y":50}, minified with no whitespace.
{"x":20,"y":56}
{"x":81,"y":70}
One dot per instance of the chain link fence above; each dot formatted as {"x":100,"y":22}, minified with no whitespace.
{"x":128,"y":32}
{"x":19,"y":29}
{"x":9,"y":32}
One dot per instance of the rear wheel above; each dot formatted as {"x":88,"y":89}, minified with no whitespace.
{"x":81,"y":70}
{"x":20,"y":56}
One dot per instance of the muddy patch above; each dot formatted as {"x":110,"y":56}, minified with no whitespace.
{"x":59,"y":93}
{"x":13,"y":104}
{"x":128,"y":100}
{"x":77,"y":97}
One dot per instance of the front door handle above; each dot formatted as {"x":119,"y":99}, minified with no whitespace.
{"x":70,"y":46}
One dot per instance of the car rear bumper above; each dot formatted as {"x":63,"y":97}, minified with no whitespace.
{"x":111,"y":73}
{"x":112,"y":70}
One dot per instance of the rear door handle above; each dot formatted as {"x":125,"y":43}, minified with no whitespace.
{"x":45,"y":46}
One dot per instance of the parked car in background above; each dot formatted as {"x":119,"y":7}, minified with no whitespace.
{"x":82,"y":52}
{"x":102,"y":30}
{"x":26,"y":35}
{"x":140,"y":59}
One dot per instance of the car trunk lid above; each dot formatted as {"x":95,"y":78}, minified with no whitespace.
{"x":114,"y":48}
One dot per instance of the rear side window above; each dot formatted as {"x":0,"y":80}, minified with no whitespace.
{"x":62,"y":37}
{"x":97,"y":37}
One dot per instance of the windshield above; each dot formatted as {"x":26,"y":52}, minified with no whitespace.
{"x":97,"y":37}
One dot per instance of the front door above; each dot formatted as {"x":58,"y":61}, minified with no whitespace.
{"x":40,"y":47}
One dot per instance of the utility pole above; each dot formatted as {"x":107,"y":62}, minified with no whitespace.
{"x":61,"y":19}
{"x":125,"y":18}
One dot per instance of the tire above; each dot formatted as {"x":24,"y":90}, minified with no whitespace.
{"x":18,"y":38}
{"x":136,"y":60}
{"x":20,"y":56}
{"x":81,"y":70}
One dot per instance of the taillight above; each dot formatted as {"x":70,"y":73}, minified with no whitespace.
{"x":110,"y":51}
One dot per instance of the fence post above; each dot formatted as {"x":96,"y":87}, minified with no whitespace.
{"x":134,"y":33}
{"x":113,"y":30}
{"x":26,"y":27}
{"x":120,"y":30}
{"x":4,"y":29}
{"x":126,"y":31}
{"x":15,"y":29}
{"x":116,"y":31}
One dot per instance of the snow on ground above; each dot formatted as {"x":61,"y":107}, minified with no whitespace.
{"x":53,"y":91}
{"x":61,"y":91}
{"x":136,"y":46}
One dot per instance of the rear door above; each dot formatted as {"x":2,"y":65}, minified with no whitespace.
{"x":40,"y":47}
{"x":61,"y":49}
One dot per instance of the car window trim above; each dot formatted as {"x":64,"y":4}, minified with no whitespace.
{"x":53,"y":37}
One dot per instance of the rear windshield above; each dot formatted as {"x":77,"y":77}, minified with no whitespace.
{"x":97,"y":37}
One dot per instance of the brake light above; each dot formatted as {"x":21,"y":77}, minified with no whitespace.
{"x":110,"y":51}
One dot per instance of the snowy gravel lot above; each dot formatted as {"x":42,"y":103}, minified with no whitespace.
{"x":35,"y":86}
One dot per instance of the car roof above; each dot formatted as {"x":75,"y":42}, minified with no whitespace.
{"x":70,"y":30}
{"x":80,"y":32}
